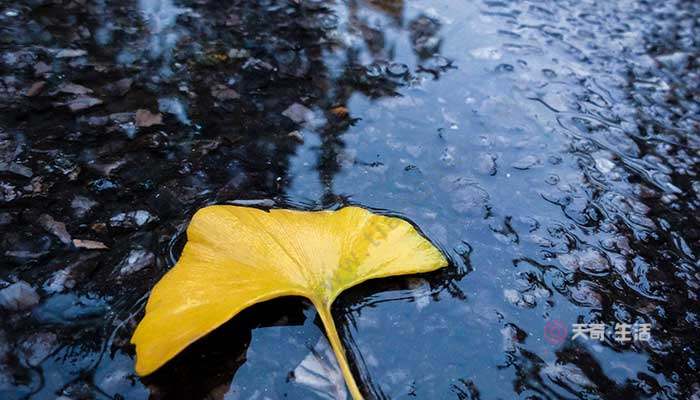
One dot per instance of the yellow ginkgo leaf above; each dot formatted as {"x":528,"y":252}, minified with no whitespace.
{"x":238,"y":256}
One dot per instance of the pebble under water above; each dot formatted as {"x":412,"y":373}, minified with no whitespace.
{"x":550,"y":148}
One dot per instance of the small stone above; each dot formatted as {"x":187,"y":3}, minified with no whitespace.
{"x":72,"y":88}
{"x":56,"y":228}
{"x":223,"y":93}
{"x":604,"y":160}
{"x":526,"y":162}
{"x":585,"y":294}
{"x":25,"y":254}
{"x":486,"y":164}
{"x":589,"y":260}
{"x":99,"y":227}
{"x":89,"y":244}
{"x":258,"y":64}
{"x":16,"y":168}
{"x":8,"y":192}
{"x":95,"y":120}
{"x":448,"y":156}
{"x":567,"y":372}
{"x":82,"y":103}
{"x":82,"y":205}
{"x":145,"y":118}
{"x":18,"y":296}
{"x":41,"y":68}
{"x":67,"y":308}
{"x":120,"y":87}
{"x":122,"y":118}
{"x":38,"y":186}
{"x":512,"y":296}
{"x":70,"y":53}
{"x":238,"y":53}
{"x":255,"y":202}
{"x":141,"y":217}
{"x":604,"y":165}
{"x":5,"y":218}
{"x":36,"y":88}
{"x":677,"y":60}
{"x":467,"y":196}
{"x":541,"y":241}
{"x":298,"y":113}
{"x":131,"y":219}
{"x":59,"y":281}
{"x":340,"y":111}
{"x":136,"y":260}
{"x":103,"y":185}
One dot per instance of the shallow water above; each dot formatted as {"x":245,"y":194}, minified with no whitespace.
{"x":549,"y":147}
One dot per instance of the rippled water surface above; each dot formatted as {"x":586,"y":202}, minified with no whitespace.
{"x":549,"y":147}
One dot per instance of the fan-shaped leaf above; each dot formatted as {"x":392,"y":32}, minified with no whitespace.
{"x":238,"y":256}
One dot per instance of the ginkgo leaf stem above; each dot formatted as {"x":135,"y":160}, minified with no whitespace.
{"x":324,"y":312}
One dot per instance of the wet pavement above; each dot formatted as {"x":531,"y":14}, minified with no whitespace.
{"x":550,"y":148}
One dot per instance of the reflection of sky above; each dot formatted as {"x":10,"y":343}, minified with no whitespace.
{"x":436,"y":130}
{"x":161,"y":16}
{"x":305,"y":186}
{"x":396,"y":46}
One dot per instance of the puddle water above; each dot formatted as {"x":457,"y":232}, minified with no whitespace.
{"x":549,"y":147}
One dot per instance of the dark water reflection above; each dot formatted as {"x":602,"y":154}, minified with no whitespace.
{"x":551,"y":148}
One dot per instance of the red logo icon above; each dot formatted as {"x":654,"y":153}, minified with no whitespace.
{"x":555,"y":332}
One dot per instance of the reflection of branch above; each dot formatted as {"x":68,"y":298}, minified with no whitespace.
{"x":424,"y":36}
{"x":466,"y":391}
{"x":320,"y":373}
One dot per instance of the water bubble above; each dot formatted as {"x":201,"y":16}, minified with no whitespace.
{"x":397,"y":69}
{"x":374,"y":70}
